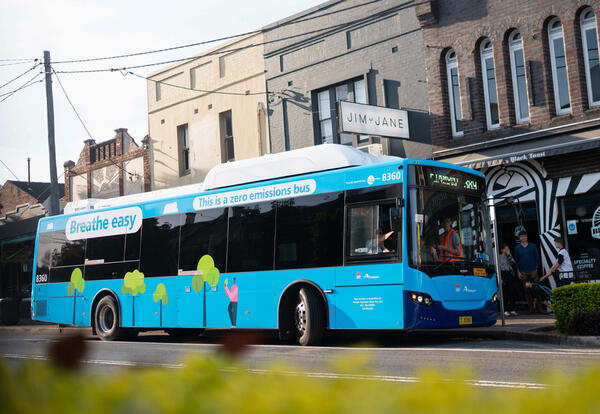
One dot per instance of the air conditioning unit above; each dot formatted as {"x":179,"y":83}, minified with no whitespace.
{"x":373,"y":149}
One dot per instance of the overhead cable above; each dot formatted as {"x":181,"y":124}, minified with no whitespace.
{"x":83,"y":124}
{"x":290,"y":22}
{"x":30,"y":82}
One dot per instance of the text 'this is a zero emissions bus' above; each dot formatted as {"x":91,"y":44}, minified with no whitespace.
{"x":321,"y":238}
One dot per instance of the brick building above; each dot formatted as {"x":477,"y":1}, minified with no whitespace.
{"x":112,"y":168}
{"x":514,"y":90}
{"x":363,"y":52}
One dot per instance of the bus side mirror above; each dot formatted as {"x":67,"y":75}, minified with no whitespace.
{"x":396,"y":219}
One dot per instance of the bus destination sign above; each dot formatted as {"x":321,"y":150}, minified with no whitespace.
{"x":437,"y":177}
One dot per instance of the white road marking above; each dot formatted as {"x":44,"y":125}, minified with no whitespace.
{"x":327,"y":375}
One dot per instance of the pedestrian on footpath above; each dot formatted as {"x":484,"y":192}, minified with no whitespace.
{"x":562,"y":269}
{"x":527,"y":259}
{"x":510,"y":281}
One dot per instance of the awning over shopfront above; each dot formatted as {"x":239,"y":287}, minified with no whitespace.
{"x":527,"y":150}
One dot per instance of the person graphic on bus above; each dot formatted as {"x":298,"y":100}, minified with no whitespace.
{"x":449,"y":249}
{"x":232,"y":294}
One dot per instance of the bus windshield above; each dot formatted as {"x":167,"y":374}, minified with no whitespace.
{"x":449,"y":224}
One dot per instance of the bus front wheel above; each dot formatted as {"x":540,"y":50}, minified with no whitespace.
{"x":107,"y":321}
{"x":309,"y":318}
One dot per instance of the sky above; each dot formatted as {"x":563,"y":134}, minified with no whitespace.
{"x":77,"y":29}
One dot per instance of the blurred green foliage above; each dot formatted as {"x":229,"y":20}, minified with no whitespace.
{"x":133,"y":283}
{"x":571,"y":299}
{"x":220,"y":386}
{"x":77,"y":282}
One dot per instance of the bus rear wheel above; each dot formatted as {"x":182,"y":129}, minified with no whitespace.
{"x":309,"y":317}
{"x":107,"y":321}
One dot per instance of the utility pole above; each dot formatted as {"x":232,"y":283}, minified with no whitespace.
{"x":54,"y":210}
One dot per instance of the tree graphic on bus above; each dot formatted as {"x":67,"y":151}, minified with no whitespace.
{"x":160,"y":295}
{"x":133,"y":283}
{"x":207,"y":273}
{"x":77,"y":284}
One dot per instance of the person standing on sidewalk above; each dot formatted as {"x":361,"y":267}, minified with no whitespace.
{"x":563,"y":266}
{"x":527,"y":259}
{"x":510,"y":281}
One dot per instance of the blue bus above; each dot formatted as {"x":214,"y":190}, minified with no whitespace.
{"x":322,"y":238}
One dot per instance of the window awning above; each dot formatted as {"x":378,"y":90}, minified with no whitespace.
{"x":528,"y":150}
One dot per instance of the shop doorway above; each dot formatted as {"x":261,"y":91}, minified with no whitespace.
{"x":509,"y":216}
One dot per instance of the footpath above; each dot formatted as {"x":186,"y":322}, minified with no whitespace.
{"x":534,"y":328}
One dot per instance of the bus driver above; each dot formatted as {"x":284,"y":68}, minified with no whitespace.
{"x":450,"y":249}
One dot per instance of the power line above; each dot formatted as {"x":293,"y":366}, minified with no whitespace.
{"x":21,"y":75}
{"x":16,"y":63}
{"x":16,"y":60}
{"x":219,"y":52}
{"x":294,"y":21}
{"x":199,"y":90}
{"x":83,"y":124}
{"x":11,"y":171}
{"x":25,"y":85}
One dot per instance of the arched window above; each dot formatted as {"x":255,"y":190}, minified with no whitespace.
{"x":590,"y":56}
{"x":489,"y":84}
{"x":454,"y":93}
{"x":558,"y":60}
{"x":519,"y":80}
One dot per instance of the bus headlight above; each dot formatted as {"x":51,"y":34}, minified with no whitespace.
{"x":495,"y":298}
{"x":421,"y":298}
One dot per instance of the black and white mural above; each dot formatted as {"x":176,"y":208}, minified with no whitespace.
{"x":528,"y":181}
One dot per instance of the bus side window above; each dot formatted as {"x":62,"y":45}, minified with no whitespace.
{"x":160,"y":245}
{"x":203,"y":232}
{"x":310,"y":231}
{"x":251,"y":238}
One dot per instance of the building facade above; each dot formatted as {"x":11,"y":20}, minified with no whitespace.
{"x":369,"y":53}
{"x":22,"y":204}
{"x":207,"y":110}
{"x":514,"y":90}
{"x":112,"y":168}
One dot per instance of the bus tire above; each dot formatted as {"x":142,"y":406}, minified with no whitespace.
{"x":309,"y":317}
{"x":107,"y":320}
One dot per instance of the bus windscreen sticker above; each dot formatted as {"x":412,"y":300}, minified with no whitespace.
{"x":256,"y":194}
{"x":106,"y":223}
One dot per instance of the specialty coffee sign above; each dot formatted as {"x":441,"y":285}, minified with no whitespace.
{"x":373,"y":120}
{"x":105,"y":223}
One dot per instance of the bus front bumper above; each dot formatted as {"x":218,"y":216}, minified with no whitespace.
{"x":436,"y":316}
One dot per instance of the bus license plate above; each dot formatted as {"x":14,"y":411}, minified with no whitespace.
{"x":465,"y":320}
{"x":477,"y":271}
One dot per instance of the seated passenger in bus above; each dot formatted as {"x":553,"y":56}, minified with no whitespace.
{"x":377,"y":244}
{"x":449,"y":248}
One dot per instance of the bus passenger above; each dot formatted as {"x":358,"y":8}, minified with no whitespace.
{"x":377,"y":244}
{"x":450,"y":249}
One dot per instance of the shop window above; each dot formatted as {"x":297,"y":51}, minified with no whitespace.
{"x":310,"y":231}
{"x":582,"y":224}
{"x":160,"y":245}
{"x":558,"y":61}
{"x":489,"y":84}
{"x":454,"y":94}
{"x":251,"y":238}
{"x":519,"y":80}
{"x":327,"y":106}
{"x":203,"y":232}
{"x":590,"y":53}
